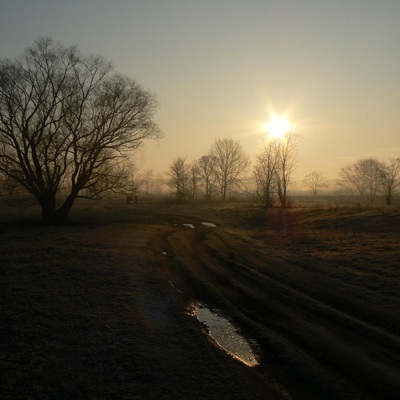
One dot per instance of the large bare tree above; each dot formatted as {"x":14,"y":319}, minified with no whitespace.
{"x":67,"y":122}
{"x":230,"y":162}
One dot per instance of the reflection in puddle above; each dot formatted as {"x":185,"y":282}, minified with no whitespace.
{"x":224,"y":334}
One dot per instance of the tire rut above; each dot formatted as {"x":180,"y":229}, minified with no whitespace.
{"x":328,"y":336}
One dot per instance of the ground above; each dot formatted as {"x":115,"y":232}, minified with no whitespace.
{"x":97,"y":309}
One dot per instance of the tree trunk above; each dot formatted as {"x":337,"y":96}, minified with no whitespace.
{"x":282,"y":196}
{"x":64,"y":210}
{"x":388,"y":199}
{"x":50,"y":214}
{"x":48,"y":204}
{"x":268,"y":198}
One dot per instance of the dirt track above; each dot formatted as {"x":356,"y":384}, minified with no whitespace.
{"x":323,"y":303}
{"x":97,"y":309}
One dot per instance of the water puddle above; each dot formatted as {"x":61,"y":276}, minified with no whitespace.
{"x":209,"y":224}
{"x":191,"y":226}
{"x":224,"y":334}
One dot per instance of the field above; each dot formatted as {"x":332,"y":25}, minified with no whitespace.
{"x":98,"y":308}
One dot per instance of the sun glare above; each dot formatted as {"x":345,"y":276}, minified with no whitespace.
{"x":277,"y":127}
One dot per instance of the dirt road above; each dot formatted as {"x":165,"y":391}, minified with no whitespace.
{"x":321,"y":300}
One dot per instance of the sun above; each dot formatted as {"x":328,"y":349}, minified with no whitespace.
{"x":277,"y":127}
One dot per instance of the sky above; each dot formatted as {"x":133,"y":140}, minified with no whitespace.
{"x":222,"y":68}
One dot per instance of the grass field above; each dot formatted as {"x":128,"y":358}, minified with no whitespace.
{"x":97,"y":309}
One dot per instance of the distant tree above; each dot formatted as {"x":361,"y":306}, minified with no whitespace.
{"x":147,"y":179}
{"x":315,"y":181}
{"x":206,"y":169}
{"x":391,"y":179}
{"x":193,"y":172}
{"x":158,"y":183}
{"x":178,"y":177}
{"x":153,"y":183}
{"x":287,"y":158}
{"x":134,"y":181}
{"x":350,"y":180}
{"x":230,"y":163}
{"x":67,"y":124}
{"x":273,"y":170}
{"x":363,"y":177}
{"x":265,"y":174}
{"x":373,"y":171}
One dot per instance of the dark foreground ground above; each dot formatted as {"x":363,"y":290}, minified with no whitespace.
{"x":97,"y":309}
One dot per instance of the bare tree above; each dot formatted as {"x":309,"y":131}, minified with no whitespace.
{"x":287,"y":159}
{"x":134,"y":181}
{"x":153,"y":184}
{"x":230,"y":163}
{"x":391,"y":179}
{"x":206,"y":166}
{"x":178,"y":177}
{"x":315,"y":181}
{"x":373,"y":172}
{"x":193,"y":172}
{"x":146,"y":179}
{"x":265,"y":170}
{"x":363,"y":176}
{"x":68,"y":122}
{"x":351,"y":180}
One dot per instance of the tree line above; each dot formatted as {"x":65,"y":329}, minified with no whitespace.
{"x":226,"y":169}
{"x":69,"y":125}
{"x":370,"y":177}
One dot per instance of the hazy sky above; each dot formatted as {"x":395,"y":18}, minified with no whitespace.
{"x":220,"y":67}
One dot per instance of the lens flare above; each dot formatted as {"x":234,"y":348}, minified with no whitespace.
{"x":277,"y":127}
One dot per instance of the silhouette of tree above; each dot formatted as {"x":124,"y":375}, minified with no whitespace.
{"x":206,"y":168}
{"x":315,"y":181}
{"x":273,"y":170}
{"x":363,"y":176}
{"x":67,"y":123}
{"x":230,"y":163}
{"x":178,"y":177}
{"x":193,"y":172}
{"x":391,"y":179}
{"x":350,"y":180}
{"x":265,"y":170}
{"x":287,"y":158}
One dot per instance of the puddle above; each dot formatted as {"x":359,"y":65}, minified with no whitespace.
{"x":224,"y":334}
{"x":209,"y":224}
{"x":191,"y":226}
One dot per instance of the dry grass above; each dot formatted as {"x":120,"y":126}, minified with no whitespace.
{"x":87,"y":310}
{"x":87,"y":313}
